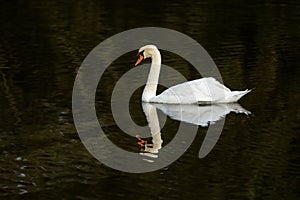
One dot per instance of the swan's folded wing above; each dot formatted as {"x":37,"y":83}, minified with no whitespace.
{"x":200,"y":90}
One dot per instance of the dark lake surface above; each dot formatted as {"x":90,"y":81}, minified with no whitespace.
{"x":256,"y":45}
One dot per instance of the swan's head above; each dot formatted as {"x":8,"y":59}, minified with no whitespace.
{"x":146,"y":52}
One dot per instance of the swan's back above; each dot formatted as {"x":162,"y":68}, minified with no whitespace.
{"x":200,"y":91}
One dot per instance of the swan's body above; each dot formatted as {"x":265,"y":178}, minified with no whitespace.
{"x":200,"y":91}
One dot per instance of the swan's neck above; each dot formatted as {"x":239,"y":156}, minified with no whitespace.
{"x":151,"y":85}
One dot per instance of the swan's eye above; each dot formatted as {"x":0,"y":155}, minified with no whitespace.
{"x":140,"y":53}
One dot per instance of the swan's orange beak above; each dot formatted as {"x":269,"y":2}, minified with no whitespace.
{"x":139,"y":60}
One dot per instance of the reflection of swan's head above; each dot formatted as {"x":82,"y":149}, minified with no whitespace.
{"x":146,"y":52}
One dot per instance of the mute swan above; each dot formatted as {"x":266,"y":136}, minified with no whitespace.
{"x":200,"y":91}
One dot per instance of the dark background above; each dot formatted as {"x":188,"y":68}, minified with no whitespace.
{"x":255,"y":44}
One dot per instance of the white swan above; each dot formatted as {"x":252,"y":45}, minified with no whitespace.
{"x":200,"y":91}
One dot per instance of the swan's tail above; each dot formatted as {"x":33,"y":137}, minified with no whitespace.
{"x":236,"y":95}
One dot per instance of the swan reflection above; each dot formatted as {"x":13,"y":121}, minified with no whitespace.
{"x":200,"y":115}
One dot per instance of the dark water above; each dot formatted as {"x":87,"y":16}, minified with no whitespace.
{"x":255,"y":45}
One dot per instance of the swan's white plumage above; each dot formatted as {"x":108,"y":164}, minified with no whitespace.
{"x":200,"y":91}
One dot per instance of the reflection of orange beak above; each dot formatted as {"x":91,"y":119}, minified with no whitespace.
{"x":139,"y":60}
{"x":141,"y":142}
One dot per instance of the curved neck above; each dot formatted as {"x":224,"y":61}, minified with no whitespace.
{"x":152,"y":81}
